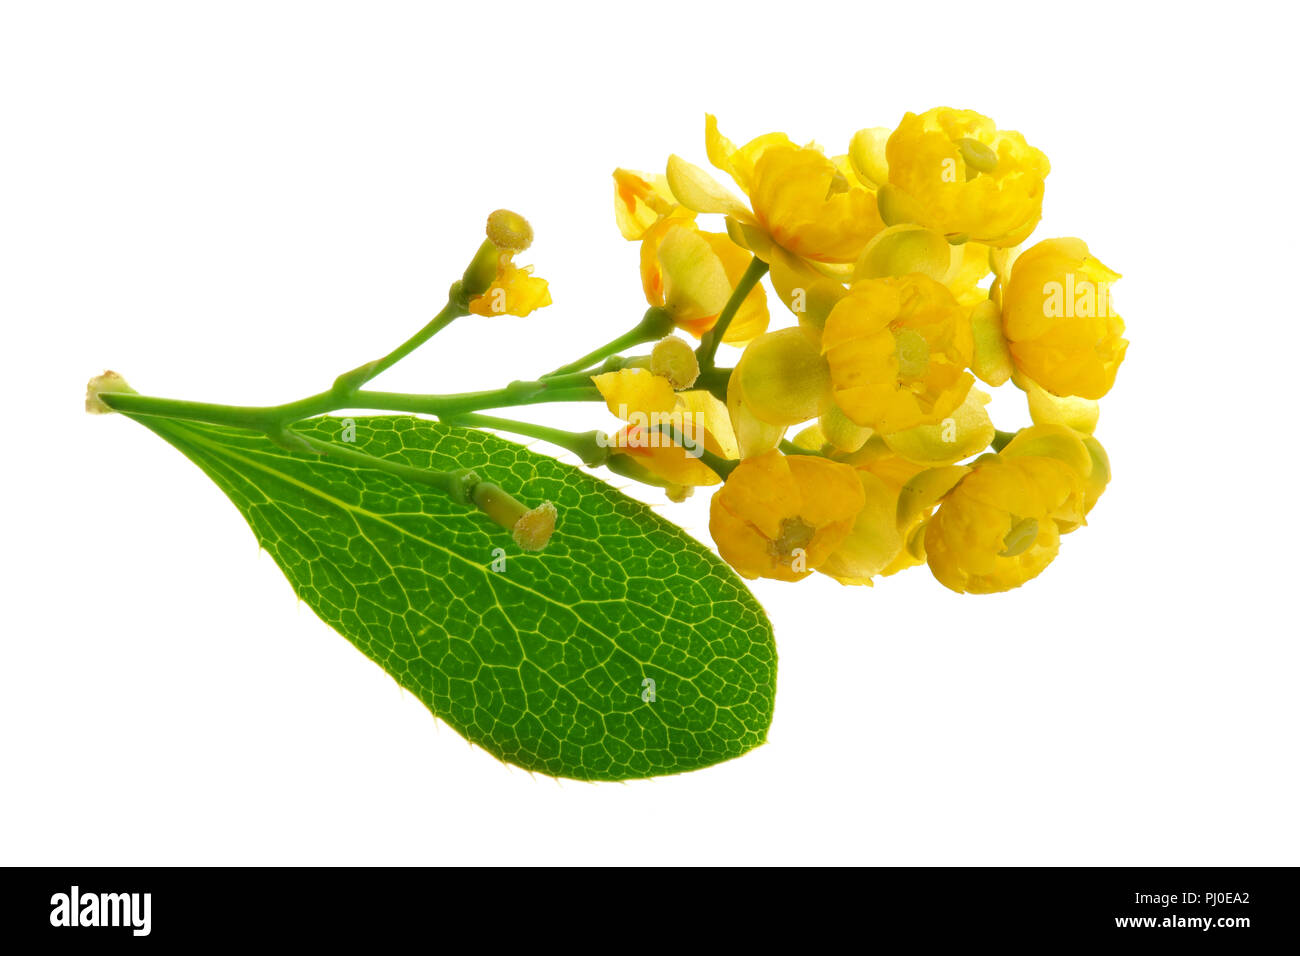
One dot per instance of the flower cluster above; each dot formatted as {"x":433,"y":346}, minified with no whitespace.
{"x":903,"y":280}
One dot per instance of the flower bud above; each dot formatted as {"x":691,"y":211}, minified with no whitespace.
{"x":675,"y":360}
{"x":783,"y":378}
{"x":903,"y":249}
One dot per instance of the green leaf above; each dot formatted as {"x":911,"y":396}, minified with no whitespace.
{"x":545,"y":664}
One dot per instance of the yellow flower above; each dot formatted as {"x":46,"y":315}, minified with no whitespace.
{"x":649,"y":405}
{"x":967,"y":431}
{"x":1057,"y":316}
{"x":800,"y":199}
{"x":972,"y":269}
{"x":877,"y":545}
{"x":493,"y":284}
{"x":638,"y":390}
{"x":514,"y":291}
{"x":1001,"y":523}
{"x":809,"y":207}
{"x":658,"y":454}
{"x":782,"y":517}
{"x":962,"y":176}
{"x":641,"y":200}
{"x":691,"y":274}
{"x":898,"y":349}
{"x":1081,"y":451}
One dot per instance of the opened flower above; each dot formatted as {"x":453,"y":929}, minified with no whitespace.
{"x":495,"y":284}
{"x":666,"y":431}
{"x":800,"y":200}
{"x":782,"y":516}
{"x":1059,"y":320}
{"x":898,"y":350}
{"x":688,"y":272}
{"x":876,"y":546}
{"x":1000,"y":524}
{"x":955,"y":172}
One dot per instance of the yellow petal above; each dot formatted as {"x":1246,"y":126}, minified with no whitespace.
{"x":805,"y":291}
{"x":841,"y":431}
{"x":751,"y":236}
{"x":783,"y":378}
{"x":924,"y":491}
{"x":632,"y":391}
{"x":694,"y":280}
{"x":873,"y":542}
{"x":717,"y":146}
{"x":751,"y":319}
{"x":753,"y":436}
{"x":641,"y":200}
{"x":1081,"y":414}
{"x":712,"y":414}
{"x":867,"y":156}
{"x":695,"y":189}
{"x":515,"y":291}
{"x":1051,"y":441}
{"x":811,"y":438}
{"x":991,"y":361}
{"x":904,"y":249}
{"x":658,"y":454}
{"x":967,"y":431}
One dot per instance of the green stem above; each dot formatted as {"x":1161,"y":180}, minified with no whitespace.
{"x":715,"y":380}
{"x":790,"y":448}
{"x":590,"y":446}
{"x":708,"y":349}
{"x":722,"y":467}
{"x":1001,"y":439}
{"x":350,"y":382}
{"x":269,"y":418}
{"x":655,"y":324}
{"x":512,"y":396}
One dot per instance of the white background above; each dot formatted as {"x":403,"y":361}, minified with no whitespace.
{"x":234,"y":202}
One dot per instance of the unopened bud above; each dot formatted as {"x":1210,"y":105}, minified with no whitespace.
{"x":903,"y":249}
{"x":782,"y":377}
{"x":675,"y":360}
